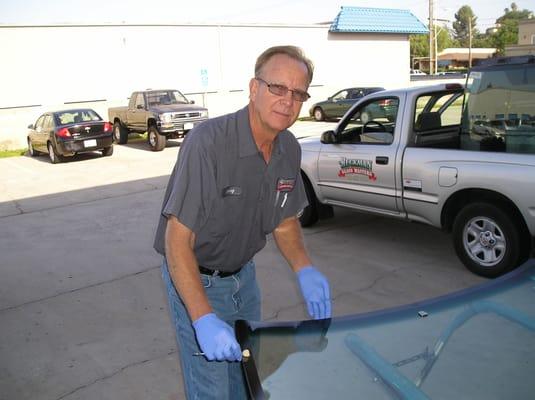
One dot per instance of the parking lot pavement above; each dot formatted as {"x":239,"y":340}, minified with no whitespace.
{"x":83,"y":313}
{"x":312,"y":128}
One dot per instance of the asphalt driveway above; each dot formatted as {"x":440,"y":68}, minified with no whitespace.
{"x":83,"y":313}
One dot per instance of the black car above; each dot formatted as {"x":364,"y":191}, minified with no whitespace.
{"x":337,"y":104}
{"x":65,"y":133}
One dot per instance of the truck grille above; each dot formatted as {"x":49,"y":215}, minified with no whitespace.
{"x":195,"y":114}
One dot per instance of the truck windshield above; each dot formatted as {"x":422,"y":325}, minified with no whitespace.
{"x":166,"y":97}
{"x":409,"y":352}
{"x":499,"y":109}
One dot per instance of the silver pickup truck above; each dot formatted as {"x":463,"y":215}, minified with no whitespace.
{"x":460,"y":158}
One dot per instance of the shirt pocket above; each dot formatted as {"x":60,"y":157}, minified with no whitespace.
{"x":274,"y":209}
{"x":226,"y":215}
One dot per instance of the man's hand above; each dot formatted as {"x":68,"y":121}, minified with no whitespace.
{"x":216,"y":339}
{"x":316,"y":292}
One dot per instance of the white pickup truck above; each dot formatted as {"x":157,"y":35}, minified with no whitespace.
{"x":459,"y":158}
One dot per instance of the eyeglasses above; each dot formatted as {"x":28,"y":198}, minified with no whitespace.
{"x":281,"y":90}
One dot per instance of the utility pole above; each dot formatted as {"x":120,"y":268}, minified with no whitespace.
{"x":432,"y":33}
{"x":469,"y":42}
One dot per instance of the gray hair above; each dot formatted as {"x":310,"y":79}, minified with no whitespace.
{"x":291,"y":51}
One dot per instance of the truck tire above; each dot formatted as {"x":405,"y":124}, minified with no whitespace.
{"x":120,"y":133}
{"x":309,"y":216}
{"x":156,"y":141}
{"x":487,"y":239}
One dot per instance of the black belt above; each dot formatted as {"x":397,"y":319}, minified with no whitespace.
{"x":216,"y":272}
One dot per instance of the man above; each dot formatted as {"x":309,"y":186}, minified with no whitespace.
{"x":237,"y":179}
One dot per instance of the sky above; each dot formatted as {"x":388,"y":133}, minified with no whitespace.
{"x":231,"y":11}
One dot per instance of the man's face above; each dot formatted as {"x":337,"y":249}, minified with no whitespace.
{"x":273,"y":112}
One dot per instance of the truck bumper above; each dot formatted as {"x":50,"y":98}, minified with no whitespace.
{"x":176,"y":129}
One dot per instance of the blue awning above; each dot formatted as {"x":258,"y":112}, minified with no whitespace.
{"x":378,"y":20}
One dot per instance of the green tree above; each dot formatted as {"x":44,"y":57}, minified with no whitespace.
{"x":419,"y":44}
{"x":461,"y":26}
{"x":507,"y":33}
{"x":482,"y":41}
{"x":445,"y":38}
{"x":514,"y":13}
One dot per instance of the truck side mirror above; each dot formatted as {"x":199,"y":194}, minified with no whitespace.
{"x":328,"y":137}
{"x":192,"y":102}
{"x":139,"y":106}
{"x":30,"y":126}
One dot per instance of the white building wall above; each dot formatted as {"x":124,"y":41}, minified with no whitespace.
{"x":54,"y":65}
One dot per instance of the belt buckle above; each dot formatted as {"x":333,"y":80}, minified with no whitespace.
{"x":216,"y":272}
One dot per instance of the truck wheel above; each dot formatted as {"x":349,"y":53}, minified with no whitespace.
{"x":120,"y":133}
{"x":309,"y":216}
{"x":156,"y":141}
{"x":487,"y":240}
{"x":319,"y":115}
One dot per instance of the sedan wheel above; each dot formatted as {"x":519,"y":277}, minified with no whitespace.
{"x":54,"y":157}
{"x":31,"y":151}
{"x":319,"y":115}
{"x":107,"y":151}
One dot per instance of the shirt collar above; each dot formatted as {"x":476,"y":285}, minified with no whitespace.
{"x":246,"y":143}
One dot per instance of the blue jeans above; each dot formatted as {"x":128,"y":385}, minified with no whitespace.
{"x":232,"y":298}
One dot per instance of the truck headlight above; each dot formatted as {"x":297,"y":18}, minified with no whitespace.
{"x":165,"y":118}
{"x":204,"y":114}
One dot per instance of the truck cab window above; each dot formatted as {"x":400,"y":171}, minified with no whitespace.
{"x":371,"y":123}
{"x":140,"y":102}
{"x":437,"y":120}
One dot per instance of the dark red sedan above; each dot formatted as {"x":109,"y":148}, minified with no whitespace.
{"x":65,"y":133}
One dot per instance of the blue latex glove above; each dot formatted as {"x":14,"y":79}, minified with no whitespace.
{"x":216,"y":339}
{"x":315,"y":289}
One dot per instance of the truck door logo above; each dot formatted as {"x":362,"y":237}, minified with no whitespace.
{"x":351,"y":166}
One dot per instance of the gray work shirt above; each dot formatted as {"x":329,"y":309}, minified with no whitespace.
{"x":222,"y":189}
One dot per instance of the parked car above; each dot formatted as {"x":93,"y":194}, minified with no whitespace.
{"x":338,"y":104}
{"x":163,"y":114}
{"x":65,"y":133}
{"x":476,"y":343}
{"x":385,"y":109}
{"x":502,"y":128}
{"x":416,"y":72}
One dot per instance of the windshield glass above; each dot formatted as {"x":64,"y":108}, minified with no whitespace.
{"x":477,"y":344}
{"x":166,"y":97}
